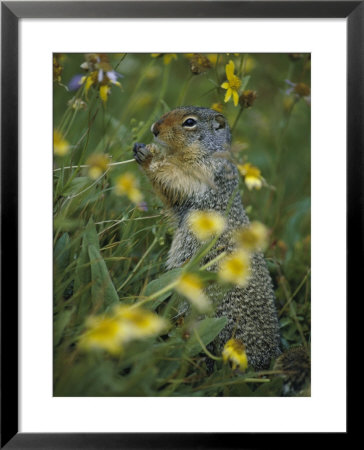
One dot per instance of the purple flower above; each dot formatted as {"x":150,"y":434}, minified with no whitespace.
{"x":142,"y":206}
{"x":75,"y":82}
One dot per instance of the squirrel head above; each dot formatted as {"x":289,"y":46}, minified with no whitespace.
{"x":189,"y":157}
{"x":191,"y":127}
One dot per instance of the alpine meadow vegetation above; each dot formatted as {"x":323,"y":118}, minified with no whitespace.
{"x":118,"y":328}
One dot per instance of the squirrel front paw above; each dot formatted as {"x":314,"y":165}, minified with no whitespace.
{"x":141,"y":153}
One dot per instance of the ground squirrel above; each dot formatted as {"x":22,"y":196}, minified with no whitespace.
{"x":189,"y":168}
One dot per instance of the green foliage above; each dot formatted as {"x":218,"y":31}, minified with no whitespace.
{"x":161,"y":283}
{"x":110,"y":250}
{"x":207,"y":330}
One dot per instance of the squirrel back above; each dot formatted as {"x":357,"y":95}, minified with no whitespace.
{"x":190,"y":169}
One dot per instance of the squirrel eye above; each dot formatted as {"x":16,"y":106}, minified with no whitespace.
{"x":189,"y":122}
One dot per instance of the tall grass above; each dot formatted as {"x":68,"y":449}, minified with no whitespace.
{"x":110,"y":250}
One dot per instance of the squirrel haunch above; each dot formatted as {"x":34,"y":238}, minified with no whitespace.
{"x":189,"y":168}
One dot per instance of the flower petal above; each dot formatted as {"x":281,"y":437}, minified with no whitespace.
{"x":89,"y":83}
{"x":168,"y":57}
{"x":253,"y":182}
{"x":228,"y":95}
{"x":76,"y":82}
{"x":104,"y":91}
{"x":230,"y":69}
{"x":111,"y":76}
{"x":236,"y":97}
{"x":225,"y":85}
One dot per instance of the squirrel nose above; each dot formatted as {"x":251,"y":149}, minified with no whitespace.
{"x":154,"y":129}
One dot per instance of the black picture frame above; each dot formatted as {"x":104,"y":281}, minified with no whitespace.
{"x":11,"y":12}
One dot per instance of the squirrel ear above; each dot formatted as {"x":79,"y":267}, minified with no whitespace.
{"x":219,"y":122}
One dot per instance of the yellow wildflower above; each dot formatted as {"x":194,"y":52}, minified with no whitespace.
{"x":252,"y":176}
{"x":100,"y":74}
{"x":219,"y":107}
{"x":104,"y":86}
{"x":104,"y":92}
{"x":167,"y":57}
{"x":138,"y":323}
{"x":103,"y":333}
{"x":110,"y":333}
{"x":232,"y":84}
{"x":199,"y":63}
{"x":234,"y":351}
{"x":212,"y":57}
{"x":89,"y":81}
{"x":206,"y":224}
{"x":98,"y":165}
{"x":127,"y":184}
{"x":60,"y":144}
{"x":191,"y":286}
{"x":249,"y":66}
{"x":235,"y":268}
{"x":254,"y":237}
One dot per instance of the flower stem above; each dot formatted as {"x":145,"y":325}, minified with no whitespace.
{"x":140,"y":262}
{"x":217,"y":74}
{"x":121,"y":60}
{"x":118,"y":163}
{"x":213,"y":261}
{"x":152,"y":116}
{"x":201,"y":254}
{"x":203,"y":346}
{"x":167,"y":288}
{"x":128,"y":110}
{"x":295,"y":293}
{"x":242,"y":67}
{"x":184,"y":91}
{"x":237,"y":118}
